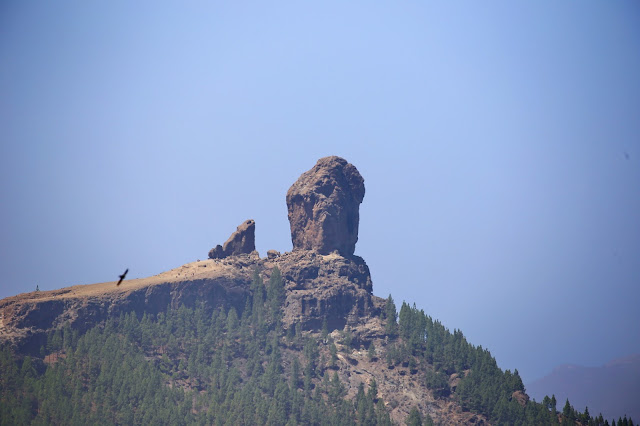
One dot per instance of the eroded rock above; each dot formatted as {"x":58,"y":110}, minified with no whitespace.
{"x":326,"y":287}
{"x":521,"y":397}
{"x":272,"y":254}
{"x":323,"y":206}
{"x":242,"y":241}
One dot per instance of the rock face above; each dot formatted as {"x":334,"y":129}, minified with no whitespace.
{"x":272,"y":254}
{"x":319,"y":288}
{"x":242,"y":241}
{"x":328,"y":288}
{"x":323,"y":206}
{"x":521,"y":397}
{"x":26,"y":319}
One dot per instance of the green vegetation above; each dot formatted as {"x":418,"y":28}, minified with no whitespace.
{"x":185,"y":366}
{"x":482,"y":387}
{"x":235,"y":367}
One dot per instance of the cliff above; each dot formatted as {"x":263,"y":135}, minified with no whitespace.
{"x":325,"y":285}
{"x":25,"y":319}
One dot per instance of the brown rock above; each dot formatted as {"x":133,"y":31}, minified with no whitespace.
{"x":323,"y":207}
{"x":242,"y":241}
{"x":326,"y":287}
{"x":272,"y":254}
{"x":521,"y":397}
{"x":216,"y":252}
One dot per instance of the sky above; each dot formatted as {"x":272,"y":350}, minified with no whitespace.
{"x":499,"y":143}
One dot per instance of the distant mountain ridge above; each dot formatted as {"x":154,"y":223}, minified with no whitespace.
{"x":612,"y":389}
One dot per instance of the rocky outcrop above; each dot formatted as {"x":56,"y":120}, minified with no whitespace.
{"x":272,"y":254}
{"x":521,"y":397}
{"x":322,"y":288}
{"x":325,"y":283}
{"x":242,"y":241}
{"x":319,"y":288}
{"x":323,"y":206}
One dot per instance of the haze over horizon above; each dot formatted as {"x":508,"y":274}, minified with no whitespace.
{"x":499,"y":143}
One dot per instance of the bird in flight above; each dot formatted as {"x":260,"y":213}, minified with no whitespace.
{"x":122,"y":276}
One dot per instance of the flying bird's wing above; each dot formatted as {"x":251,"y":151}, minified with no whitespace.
{"x":122,"y":276}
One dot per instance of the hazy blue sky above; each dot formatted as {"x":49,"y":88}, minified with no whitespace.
{"x":499,"y":142}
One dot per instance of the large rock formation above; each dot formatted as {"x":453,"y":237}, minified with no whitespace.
{"x":324,"y":282}
{"x":243,"y":241}
{"x":327,"y":288}
{"x":323,"y":207}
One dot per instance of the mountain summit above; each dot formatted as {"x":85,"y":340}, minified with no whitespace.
{"x":226,"y":340}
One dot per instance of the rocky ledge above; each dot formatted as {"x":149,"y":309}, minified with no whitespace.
{"x":324,"y":280}
{"x":325,"y":287}
{"x":319,"y":287}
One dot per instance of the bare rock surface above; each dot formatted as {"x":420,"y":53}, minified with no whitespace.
{"x":323,"y":206}
{"x":325,"y":287}
{"x":242,"y":241}
{"x":521,"y":397}
{"x":319,"y":287}
{"x":272,"y":254}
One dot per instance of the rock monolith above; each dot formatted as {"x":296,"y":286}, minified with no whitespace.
{"x":242,"y":241}
{"x":323,"y":206}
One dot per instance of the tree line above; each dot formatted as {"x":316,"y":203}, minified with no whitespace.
{"x":422,"y":343}
{"x":198,"y":366}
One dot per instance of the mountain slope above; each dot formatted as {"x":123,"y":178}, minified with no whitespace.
{"x":295,"y":338}
{"x":301,"y":308}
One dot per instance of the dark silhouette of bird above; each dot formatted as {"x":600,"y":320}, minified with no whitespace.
{"x":122,"y":276}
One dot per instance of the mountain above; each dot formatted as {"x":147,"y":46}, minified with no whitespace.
{"x":612,"y":389}
{"x":295,"y":338}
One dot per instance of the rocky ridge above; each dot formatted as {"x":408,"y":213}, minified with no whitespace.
{"x":325,"y":283}
{"x":323,"y":279}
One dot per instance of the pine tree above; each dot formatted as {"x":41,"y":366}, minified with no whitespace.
{"x":347,"y":340}
{"x":360,"y":404}
{"x":371,"y":352}
{"x":566,"y":411}
{"x":372,"y":393}
{"x":295,"y":374}
{"x":336,"y":390}
{"x":275,"y":294}
{"x":391,"y":327}
{"x":382,"y":415}
{"x":414,"y":418}
{"x":232,"y":320}
{"x":257,"y":292}
{"x":325,"y":329}
{"x":333,"y":351}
